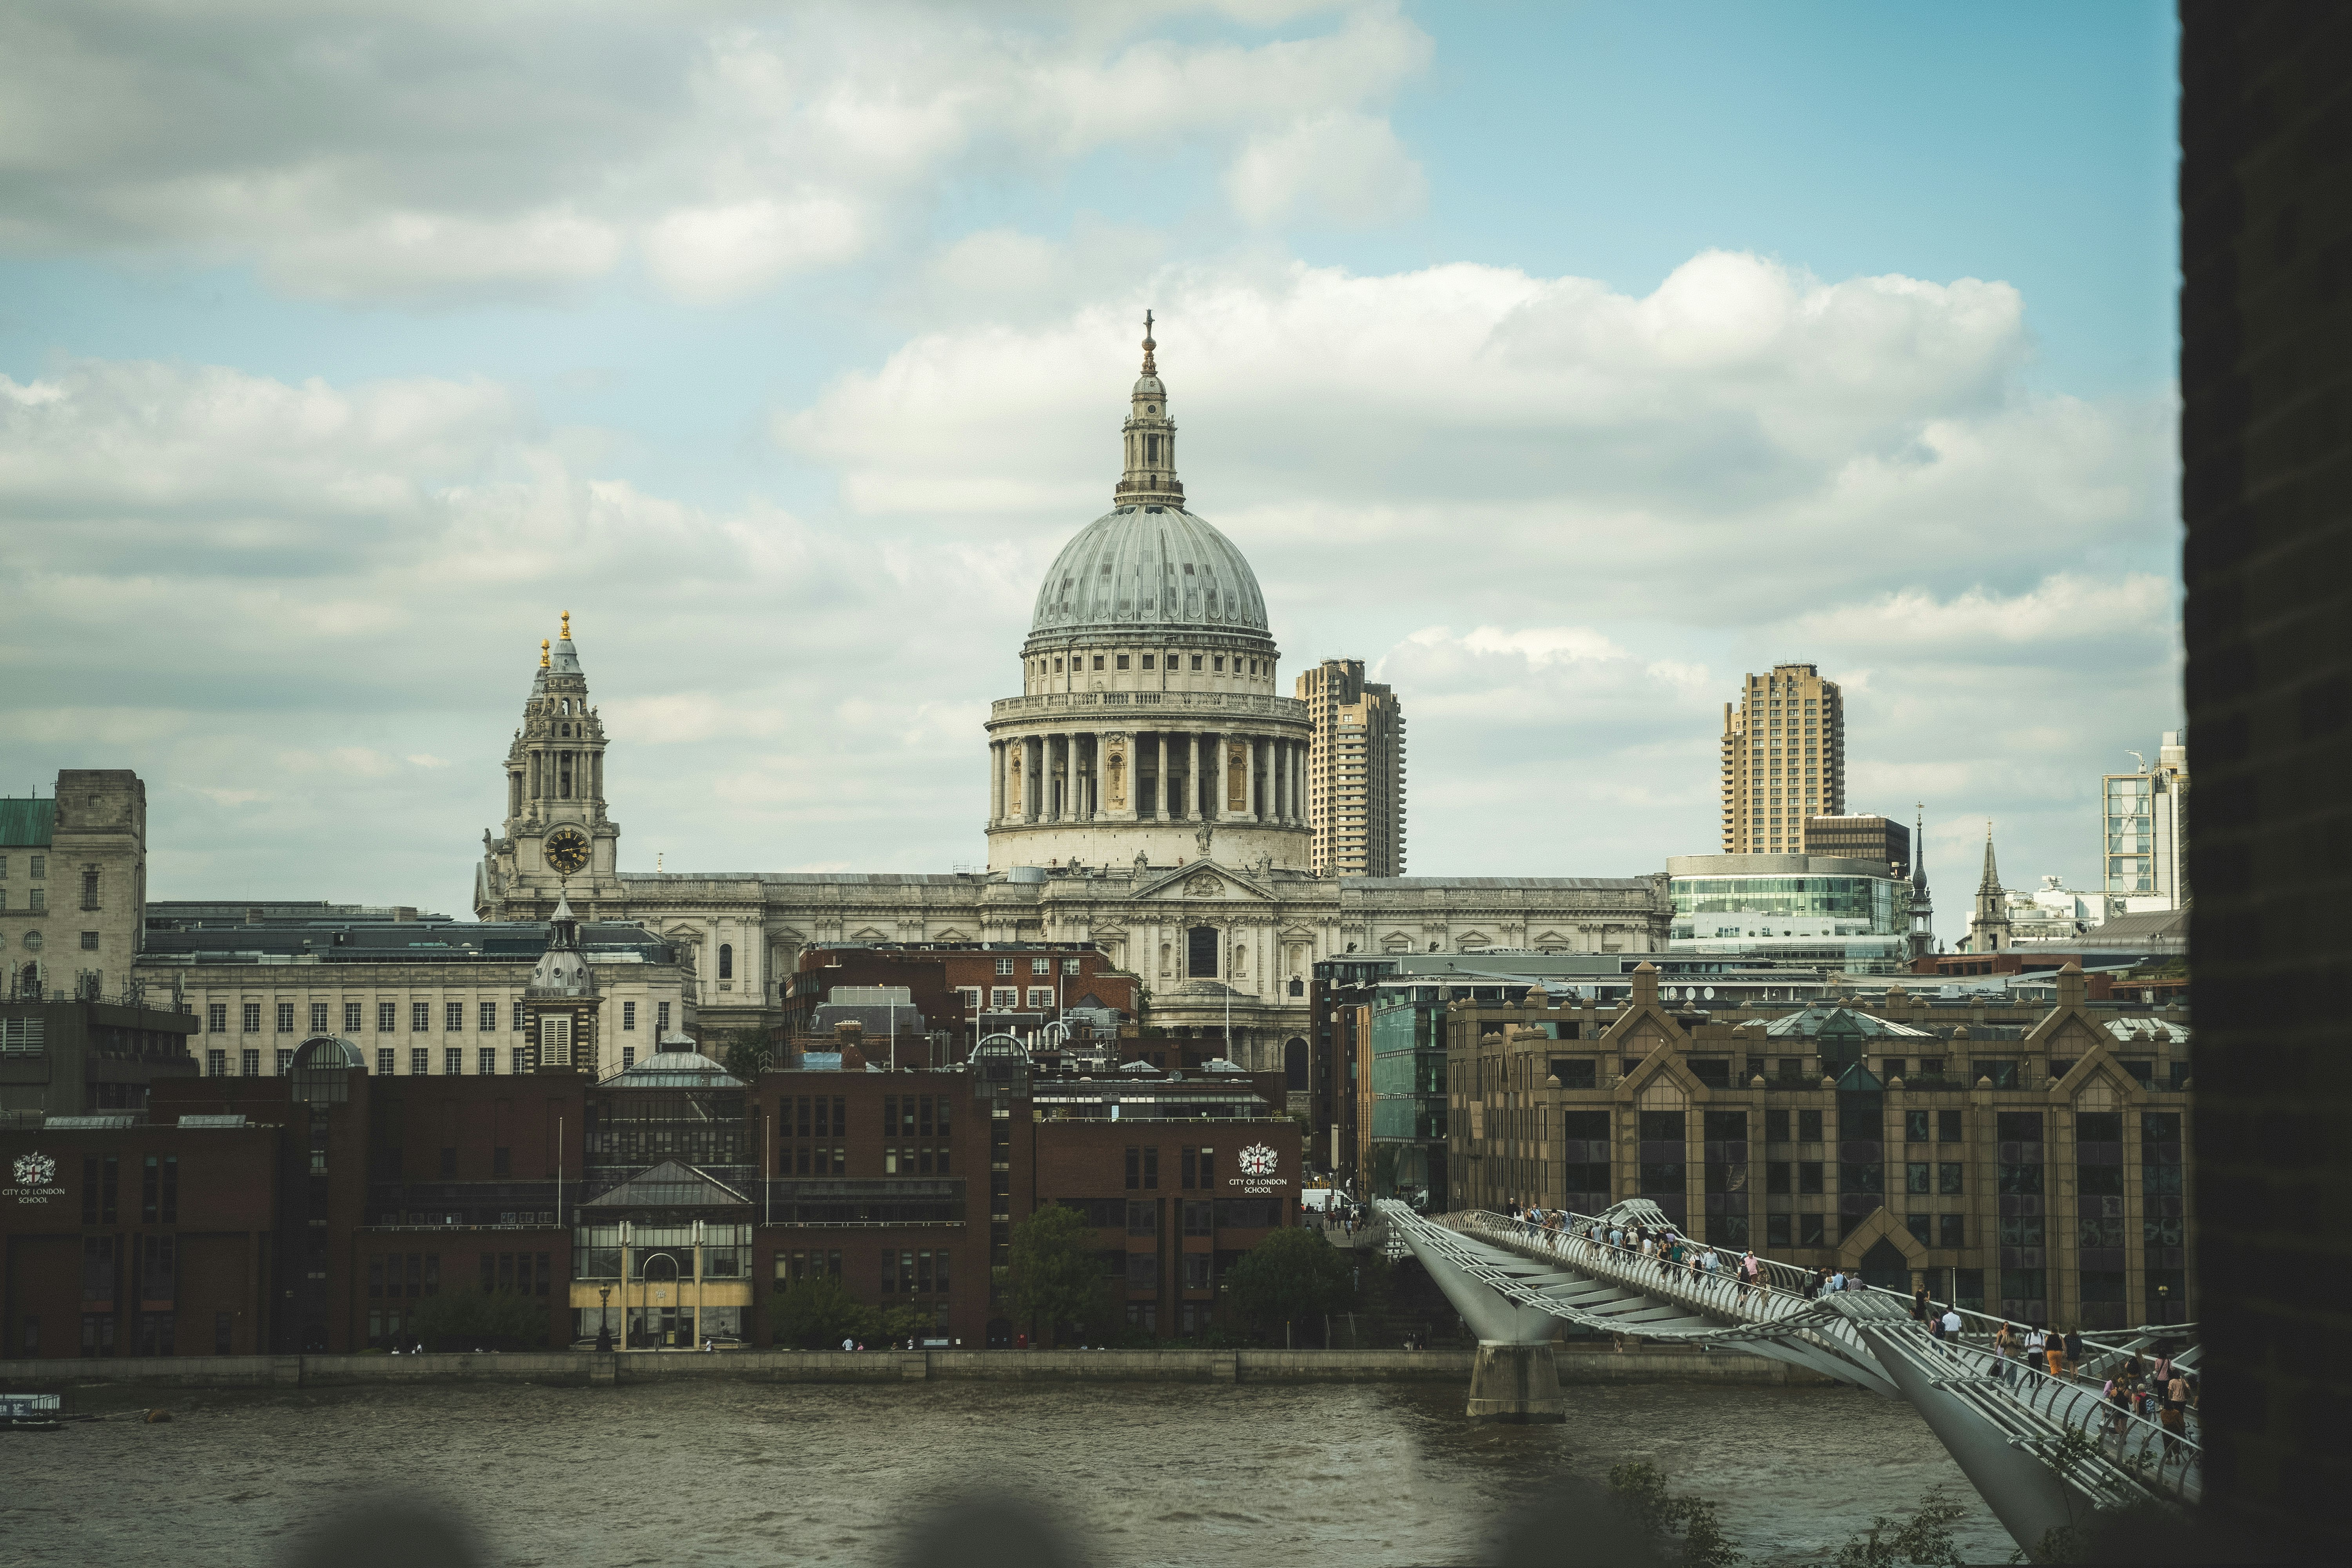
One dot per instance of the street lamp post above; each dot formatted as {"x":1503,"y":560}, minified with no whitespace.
{"x":605,"y":1308}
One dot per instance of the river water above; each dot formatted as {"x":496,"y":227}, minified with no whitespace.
{"x":1271,"y":1476}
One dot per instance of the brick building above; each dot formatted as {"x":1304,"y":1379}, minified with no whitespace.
{"x":2033,"y":1172}
{"x":317,"y":1209}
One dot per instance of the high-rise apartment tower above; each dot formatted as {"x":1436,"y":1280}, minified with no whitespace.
{"x":1355,"y":772}
{"x":1783,"y":759}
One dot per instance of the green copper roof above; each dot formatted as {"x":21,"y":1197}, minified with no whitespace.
{"x":26,"y":823}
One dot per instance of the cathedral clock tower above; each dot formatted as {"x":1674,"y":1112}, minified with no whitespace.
{"x":556,"y":827}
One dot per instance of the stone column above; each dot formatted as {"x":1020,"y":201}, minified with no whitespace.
{"x":1032,"y":789}
{"x":1160,"y":793}
{"x":1252,"y":805}
{"x":1190,"y":797}
{"x":995,"y":782}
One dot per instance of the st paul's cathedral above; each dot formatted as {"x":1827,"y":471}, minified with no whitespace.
{"x":1147,"y":792}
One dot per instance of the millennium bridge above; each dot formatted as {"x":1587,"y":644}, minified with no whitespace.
{"x":2044,"y":1451}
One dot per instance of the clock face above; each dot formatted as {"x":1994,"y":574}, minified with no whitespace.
{"x":567,"y":850}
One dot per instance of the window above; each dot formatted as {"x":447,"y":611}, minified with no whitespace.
{"x":1147,"y":664}
{"x":318,"y":1018}
{"x":249,"y":1063}
{"x":1003,"y":998}
{"x":1041,"y":966}
{"x":1003,"y":966}
{"x":1775,"y":1127}
{"x":39,"y":866}
{"x":384,"y":1062}
{"x":1951,"y":1230}
{"x":1152,"y":1167}
{"x":726,"y":961}
{"x":352,"y":1016}
{"x":1947,"y":1127}
{"x":89,"y":890}
{"x":971,"y":995}
{"x":453,"y":1018}
{"x":37,"y":901}
{"x":1196,"y":664}
{"x":90,"y":941}
{"x":488,"y":1021}
{"x":628,"y":1014}
{"x":661,"y":1017}
{"x":1219,"y":662}
{"x":1070,"y":966}
{"x":1134,"y":1168}
{"x":420,"y":1017}
{"x":1098,"y":661}
{"x":486,"y":1061}
{"x":251,"y":1013}
{"x":453,"y":1062}
{"x":217,"y":1018}
{"x":514,"y":1017}
{"x":1809,"y":1126}
{"x":1041,"y":998}
{"x":1122,"y":661}
{"x":1809,"y":1176}
{"x":387,"y":1017}
{"x":420,"y":1062}
{"x":1949,"y":1180}
{"x":1776,"y":1176}
{"x":285,"y":1060}
{"x":1915,"y":1126}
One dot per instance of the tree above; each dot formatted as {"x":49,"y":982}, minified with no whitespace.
{"x":1290,"y":1275}
{"x":746,"y":1053}
{"x":1057,"y":1280}
{"x":481,"y":1319}
{"x":818,"y":1314}
{"x":1640,"y":1494}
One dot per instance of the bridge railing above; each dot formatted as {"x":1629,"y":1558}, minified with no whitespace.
{"x":2167,"y":1463}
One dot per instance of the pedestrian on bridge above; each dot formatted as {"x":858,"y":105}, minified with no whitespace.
{"x":1919,"y":1305}
{"x":2004,"y":1347}
{"x":2073,"y":1350}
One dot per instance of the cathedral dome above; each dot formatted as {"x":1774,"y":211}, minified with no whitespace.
{"x":1150,"y":567}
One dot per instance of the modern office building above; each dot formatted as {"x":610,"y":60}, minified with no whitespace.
{"x":1355,"y":767}
{"x":2145,"y":831}
{"x":2033,"y":1169}
{"x":1793,"y":907}
{"x":1866,"y":837}
{"x":1783,"y":761}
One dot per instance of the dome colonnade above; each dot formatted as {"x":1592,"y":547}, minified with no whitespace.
{"x":1150,"y":725}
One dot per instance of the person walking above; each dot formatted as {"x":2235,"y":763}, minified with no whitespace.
{"x":1951,"y":1326}
{"x":2004,"y":1348}
{"x":2054,"y":1349}
{"x":2034,"y":1342}
{"x":1919,"y":1305}
{"x":2073,"y":1350}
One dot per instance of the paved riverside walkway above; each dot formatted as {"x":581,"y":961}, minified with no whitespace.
{"x":1579,"y":1363}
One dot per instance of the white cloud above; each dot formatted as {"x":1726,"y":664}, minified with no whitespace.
{"x":1340,"y":167}
{"x":452,"y":151}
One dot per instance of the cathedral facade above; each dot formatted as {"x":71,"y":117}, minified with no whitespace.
{"x":1146,"y":792}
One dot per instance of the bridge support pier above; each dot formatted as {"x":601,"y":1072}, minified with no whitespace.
{"x":1516,"y":1383}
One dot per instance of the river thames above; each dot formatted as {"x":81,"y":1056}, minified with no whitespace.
{"x":1287,"y":1475}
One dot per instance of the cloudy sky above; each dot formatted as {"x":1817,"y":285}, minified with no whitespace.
{"x":1564,"y":360}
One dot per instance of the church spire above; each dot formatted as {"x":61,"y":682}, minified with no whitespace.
{"x":1991,"y":882}
{"x":1149,"y":439}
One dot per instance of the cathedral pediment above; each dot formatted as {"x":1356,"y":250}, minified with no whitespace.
{"x":1204,"y":881}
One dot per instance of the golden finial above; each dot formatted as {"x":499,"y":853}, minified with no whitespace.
{"x":567,"y":625}
{"x":1149,"y":369}
{"x":542,"y":653}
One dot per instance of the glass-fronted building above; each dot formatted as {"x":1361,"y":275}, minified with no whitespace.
{"x":2144,"y":832}
{"x":1407,"y":1094}
{"x":1828,"y":895}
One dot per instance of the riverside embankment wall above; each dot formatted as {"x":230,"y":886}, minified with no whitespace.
{"x":1577,"y":1363}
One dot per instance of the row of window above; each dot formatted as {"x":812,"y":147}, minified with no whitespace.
{"x":1197,"y":1167}
{"x":387,"y":1015}
{"x":159,"y":1189}
{"x":919,"y":1272}
{"x":520,"y":1059}
{"x":1217,"y":663}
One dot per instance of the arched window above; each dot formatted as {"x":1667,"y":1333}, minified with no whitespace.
{"x":726,"y":961}
{"x":1201,"y":952}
